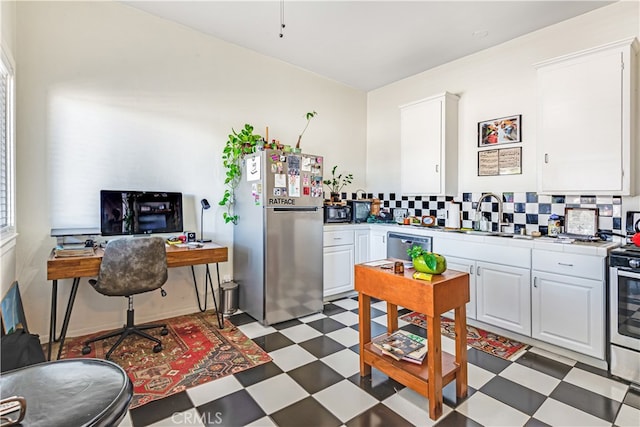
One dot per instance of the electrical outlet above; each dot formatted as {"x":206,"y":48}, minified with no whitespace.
{"x":442,"y":214}
{"x":226,"y":278}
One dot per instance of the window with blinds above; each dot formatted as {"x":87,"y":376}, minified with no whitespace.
{"x":6,"y":145}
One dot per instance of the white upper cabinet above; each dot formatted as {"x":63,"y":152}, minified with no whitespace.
{"x":586,"y":106}
{"x":429,"y":146}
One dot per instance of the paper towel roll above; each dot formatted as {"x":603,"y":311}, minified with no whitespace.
{"x":452,"y":219}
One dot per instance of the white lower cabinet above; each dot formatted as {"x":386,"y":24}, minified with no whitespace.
{"x":361,"y":246}
{"x":503,"y":296}
{"x":569,"y":310}
{"x":338,"y":269}
{"x":377,"y":244}
{"x":499,"y":293}
{"x":468,"y":266}
{"x":339,"y":254}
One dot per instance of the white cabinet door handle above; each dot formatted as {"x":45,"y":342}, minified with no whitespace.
{"x":471,"y":269}
{"x":478,"y":271}
{"x":535,"y":282}
{"x":546,"y":157}
{"x":565,"y":264}
{"x":437,"y":169}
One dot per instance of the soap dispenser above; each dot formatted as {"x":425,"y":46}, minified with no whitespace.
{"x":476,"y":221}
{"x":484,"y":224}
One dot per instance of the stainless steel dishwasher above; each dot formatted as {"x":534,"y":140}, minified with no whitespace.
{"x":398,"y":243}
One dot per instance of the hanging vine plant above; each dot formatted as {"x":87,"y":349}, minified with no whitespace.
{"x":238,"y":145}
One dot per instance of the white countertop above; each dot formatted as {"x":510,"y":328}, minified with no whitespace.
{"x":600,"y":248}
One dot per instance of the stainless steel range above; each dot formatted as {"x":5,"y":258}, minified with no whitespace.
{"x":624,"y":308}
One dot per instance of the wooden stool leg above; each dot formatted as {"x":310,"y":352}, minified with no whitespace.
{"x":434,"y":359}
{"x":461,"y":350}
{"x":392,"y":318}
{"x":364,"y":317}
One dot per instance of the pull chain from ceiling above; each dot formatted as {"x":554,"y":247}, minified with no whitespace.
{"x":282,"y":18}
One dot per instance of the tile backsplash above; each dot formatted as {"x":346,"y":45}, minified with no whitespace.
{"x":528,"y":210}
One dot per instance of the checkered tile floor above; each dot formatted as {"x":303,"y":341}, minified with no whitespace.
{"x":314,"y":380}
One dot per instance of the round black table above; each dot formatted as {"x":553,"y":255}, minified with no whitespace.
{"x":70,"y":392}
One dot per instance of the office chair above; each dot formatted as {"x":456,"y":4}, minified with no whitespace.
{"x":131,"y":266}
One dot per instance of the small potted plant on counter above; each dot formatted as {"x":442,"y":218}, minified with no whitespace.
{"x":426,"y":262}
{"x":337,"y":183}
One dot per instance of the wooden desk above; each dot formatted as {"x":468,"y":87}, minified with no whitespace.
{"x":77,"y":267}
{"x":432,"y":298}
{"x":69,"y":268}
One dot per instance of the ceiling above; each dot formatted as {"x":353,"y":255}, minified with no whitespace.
{"x":367,"y":44}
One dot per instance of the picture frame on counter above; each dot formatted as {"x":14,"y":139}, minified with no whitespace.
{"x":503,"y":161}
{"x":12,"y":312}
{"x":504,"y":130}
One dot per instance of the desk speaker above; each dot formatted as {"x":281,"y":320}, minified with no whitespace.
{"x":191,"y":236}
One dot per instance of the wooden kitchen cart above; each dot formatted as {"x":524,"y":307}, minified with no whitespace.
{"x":447,"y":291}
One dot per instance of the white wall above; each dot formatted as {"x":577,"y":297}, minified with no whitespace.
{"x":7,"y":23}
{"x":496,"y":82}
{"x":7,"y":246}
{"x":112,"y":98}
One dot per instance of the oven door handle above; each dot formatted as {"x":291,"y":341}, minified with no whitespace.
{"x":628,"y":274}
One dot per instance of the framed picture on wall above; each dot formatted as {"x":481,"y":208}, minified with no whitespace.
{"x":505,"y":161}
{"x":504,"y":130}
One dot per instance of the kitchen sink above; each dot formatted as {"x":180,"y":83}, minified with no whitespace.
{"x":480,"y":233}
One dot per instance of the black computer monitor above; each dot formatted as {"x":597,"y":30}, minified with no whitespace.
{"x":140,"y":212}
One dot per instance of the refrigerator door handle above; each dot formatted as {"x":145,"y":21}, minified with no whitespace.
{"x":309,"y":209}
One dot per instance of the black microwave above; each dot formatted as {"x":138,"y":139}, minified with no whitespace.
{"x":337,"y":213}
{"x":360,"y":210}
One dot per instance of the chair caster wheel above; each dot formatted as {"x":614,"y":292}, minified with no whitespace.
{"x":157,"y":348}
{"x":86,"y":349}
{"x":164,"y":331}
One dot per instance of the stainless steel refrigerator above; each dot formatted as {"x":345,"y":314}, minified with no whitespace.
{"x":277,"y":242}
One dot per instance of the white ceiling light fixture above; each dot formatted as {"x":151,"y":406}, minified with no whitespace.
{"x":282,"y":18}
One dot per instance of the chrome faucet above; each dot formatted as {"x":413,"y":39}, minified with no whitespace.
{"x":499,"y":199}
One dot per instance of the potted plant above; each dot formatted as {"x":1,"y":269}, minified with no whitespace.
{"x":337,"y":183}
{"x":309,"y":116}
{"x":425,"y":261}
{"x":238,"y":145}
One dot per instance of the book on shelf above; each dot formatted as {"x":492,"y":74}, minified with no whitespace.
{"x":73,"y":250}
{"x":402,"y":345}
{"x":417,"y":356}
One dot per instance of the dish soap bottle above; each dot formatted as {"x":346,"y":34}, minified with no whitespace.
{"x":553,"y":225}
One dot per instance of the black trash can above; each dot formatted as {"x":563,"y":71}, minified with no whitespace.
{"x":228,"y":297}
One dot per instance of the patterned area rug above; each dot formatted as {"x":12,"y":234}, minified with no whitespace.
{"x":477,"y":338}
{"x":194,"y":352}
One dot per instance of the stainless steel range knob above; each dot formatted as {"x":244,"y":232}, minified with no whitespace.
{"x":634,"y":263}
